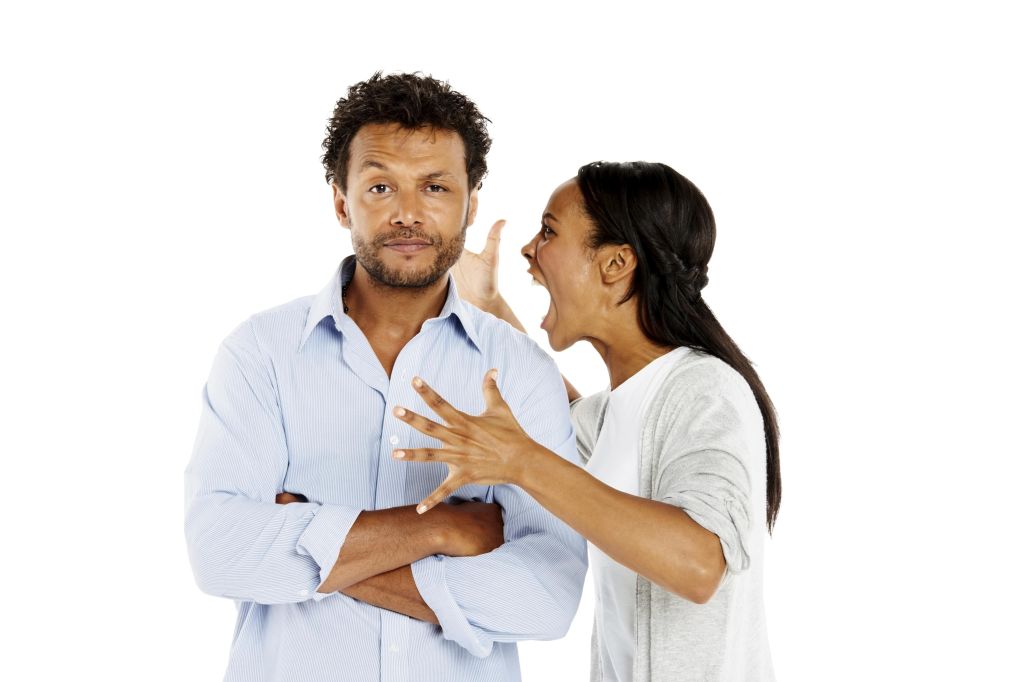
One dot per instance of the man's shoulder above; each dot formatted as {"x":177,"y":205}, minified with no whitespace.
{"x":498,"y":338}
{"x":294,"y":311}
{"x":276,"y":327}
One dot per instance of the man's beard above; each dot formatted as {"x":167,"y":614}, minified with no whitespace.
{"x":448,"y":252}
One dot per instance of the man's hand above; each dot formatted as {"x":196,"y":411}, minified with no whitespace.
{"x":465,"y":529}
{"x":473,"y":528}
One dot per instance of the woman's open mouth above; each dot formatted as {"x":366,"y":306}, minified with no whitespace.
{"x":549,"y":316}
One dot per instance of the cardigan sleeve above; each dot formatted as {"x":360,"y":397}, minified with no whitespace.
{"x":704,"y":431}
{"x":587,"y":414}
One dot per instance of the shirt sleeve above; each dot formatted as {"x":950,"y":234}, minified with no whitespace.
{"x":707,"y":430}
{"x":241,"y":544}
{"x":529,"y":588}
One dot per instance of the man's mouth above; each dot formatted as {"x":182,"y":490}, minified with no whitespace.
{"x":407,"y":245}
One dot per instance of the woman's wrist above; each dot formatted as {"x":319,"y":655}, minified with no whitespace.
{"x":491,"y":304}
{"x":531,"y":466}
{"x":503,"y":311}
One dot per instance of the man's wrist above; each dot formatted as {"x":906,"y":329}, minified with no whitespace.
{"x":437,"y":529}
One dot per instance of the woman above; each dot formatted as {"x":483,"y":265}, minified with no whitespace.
{"x":623,"y":249}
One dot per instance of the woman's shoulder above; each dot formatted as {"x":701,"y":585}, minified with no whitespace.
{"x":696,"y":372}
{"x":700,"y":387}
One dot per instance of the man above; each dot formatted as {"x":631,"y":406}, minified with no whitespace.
{"x":348,"y":582}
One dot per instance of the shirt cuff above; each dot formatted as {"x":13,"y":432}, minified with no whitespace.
{"x":429,"y":576}
{"x":323,"y":538}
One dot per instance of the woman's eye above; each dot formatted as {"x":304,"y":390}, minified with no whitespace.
{"x":379,"y":189}
{"x":546,"y":231}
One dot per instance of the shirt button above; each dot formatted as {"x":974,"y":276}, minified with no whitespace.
{"x":303,"y":593}
{"x":393,"y":440}
{"x":393,"y":648}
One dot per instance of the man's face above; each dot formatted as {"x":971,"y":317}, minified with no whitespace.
{"x":407,"y":203}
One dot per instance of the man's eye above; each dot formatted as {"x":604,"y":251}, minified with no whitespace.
{"x":379,"y":189}
{"x":436,"y":188}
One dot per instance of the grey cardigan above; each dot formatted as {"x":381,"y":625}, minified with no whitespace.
{"x":702,"y":449}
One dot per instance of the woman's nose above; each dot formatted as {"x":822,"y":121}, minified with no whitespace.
{"x":529,"y":250}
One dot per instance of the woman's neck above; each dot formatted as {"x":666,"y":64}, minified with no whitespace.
{"x":626,"y":350}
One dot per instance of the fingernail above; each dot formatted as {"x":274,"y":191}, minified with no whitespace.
{"x":399,"y":411}
{"x":420,"y":509}
{"x":493,"y":375}
{"x":398,"y":454}
{"x":417,"y":382}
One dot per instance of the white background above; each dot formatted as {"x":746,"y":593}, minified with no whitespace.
{"x":161,"y":182}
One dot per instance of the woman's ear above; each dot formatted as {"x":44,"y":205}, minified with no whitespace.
{"x":617,"y":262}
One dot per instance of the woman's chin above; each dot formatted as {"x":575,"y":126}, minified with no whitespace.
{"x":558,"y":342}
{"x":549,"y":324}
{"x":557,"y":345}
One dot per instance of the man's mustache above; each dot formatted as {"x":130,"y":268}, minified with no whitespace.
{"x":403,"y":233}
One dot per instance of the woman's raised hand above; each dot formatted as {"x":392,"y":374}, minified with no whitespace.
{"x":476,"y":274}
{"x":489,"y":449}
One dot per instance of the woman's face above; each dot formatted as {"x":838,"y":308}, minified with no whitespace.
{"x":561,"y":261}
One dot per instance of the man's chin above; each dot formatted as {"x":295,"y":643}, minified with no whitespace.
{"x":405,"y":278}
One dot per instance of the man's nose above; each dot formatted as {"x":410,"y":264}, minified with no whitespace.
{"x":407,"y":209}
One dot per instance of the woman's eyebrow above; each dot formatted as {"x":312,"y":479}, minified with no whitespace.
{"x":548,"y":215}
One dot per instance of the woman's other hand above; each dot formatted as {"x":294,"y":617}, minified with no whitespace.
{"x":489,"y":449}
{"x":476,"y":274}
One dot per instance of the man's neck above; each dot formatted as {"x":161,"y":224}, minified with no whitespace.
{"x":391,"y":316}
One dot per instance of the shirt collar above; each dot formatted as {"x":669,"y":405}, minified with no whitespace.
{"x":327,"y":303}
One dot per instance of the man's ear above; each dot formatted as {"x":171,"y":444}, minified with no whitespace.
{"x":471,"y":213}
{"x":341,"y":207}
{"x":617,"y":262}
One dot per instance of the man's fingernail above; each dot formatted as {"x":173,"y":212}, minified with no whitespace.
{"x":399,"y":411}
{"x":399,"y":454}
{"x":417,"y":382}
{"x":420,"y":509}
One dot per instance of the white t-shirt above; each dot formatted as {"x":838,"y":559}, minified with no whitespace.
{"x":615,"y":462}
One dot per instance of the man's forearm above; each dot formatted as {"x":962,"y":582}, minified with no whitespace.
{"x":395,"y":591}
{"x":381,"y":541}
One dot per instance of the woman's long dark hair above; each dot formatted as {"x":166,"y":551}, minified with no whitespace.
{"x":670,"y":226}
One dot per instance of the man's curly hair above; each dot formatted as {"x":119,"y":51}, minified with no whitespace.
{"x":412,"y":101}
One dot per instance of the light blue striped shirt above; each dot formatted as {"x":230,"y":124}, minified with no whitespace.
{"x":297,"y":401}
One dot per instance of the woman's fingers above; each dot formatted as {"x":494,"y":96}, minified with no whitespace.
{"x":493,"y":241}
{"x":425,"y":426}
{"x":492,"y":396}
{"x":435,"y":402}
{"x":443,"y":491}
{"x":425,"y":455}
